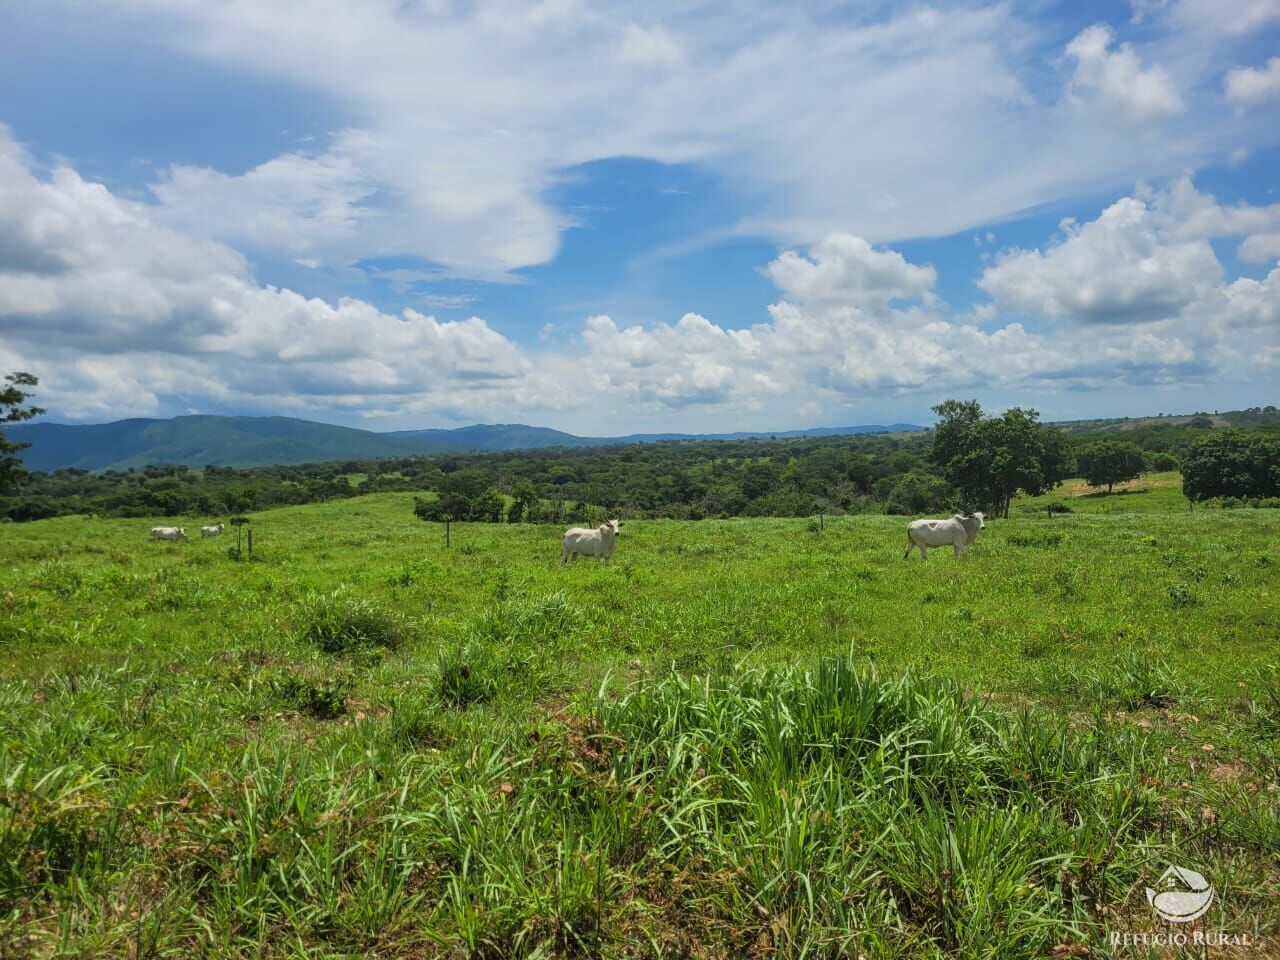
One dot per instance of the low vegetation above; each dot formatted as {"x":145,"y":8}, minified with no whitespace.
{"x":747,"y":737}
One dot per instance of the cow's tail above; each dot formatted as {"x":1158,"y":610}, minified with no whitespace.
{"x":910,"y":543}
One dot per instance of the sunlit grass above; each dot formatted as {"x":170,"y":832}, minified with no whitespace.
{"x":744,"y":737}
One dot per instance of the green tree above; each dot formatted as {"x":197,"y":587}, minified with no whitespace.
{"x":12,"y":398}
{"x":524,"y":498}
{"x":1231,"y":463}
{"x":1109,"y":462}
{"x":989,"y":459}
{"x":462,"y":495}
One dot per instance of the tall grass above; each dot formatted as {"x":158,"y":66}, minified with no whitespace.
{"x":742,"y":739}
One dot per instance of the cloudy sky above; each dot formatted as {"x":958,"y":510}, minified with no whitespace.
{"x":611,"y":217}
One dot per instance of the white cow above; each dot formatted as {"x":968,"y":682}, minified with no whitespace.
{"x":168,"y":533}
{"x":596,"y":543}
{"x":959,"y":531}
{"x":214,"y":531}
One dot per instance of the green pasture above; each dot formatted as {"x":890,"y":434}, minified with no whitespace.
{"x":741,"y":738}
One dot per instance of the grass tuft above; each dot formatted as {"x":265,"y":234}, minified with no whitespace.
{"x":340,"y":622}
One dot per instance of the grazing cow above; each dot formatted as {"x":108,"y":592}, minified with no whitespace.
{"x":168,"y":533}
{"x":596,"y":543}
{"x":958,"y":531}
{"x":214,"y":531}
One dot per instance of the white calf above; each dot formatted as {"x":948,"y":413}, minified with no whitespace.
{"x":168,"y":533}
{"x":214,"y":531}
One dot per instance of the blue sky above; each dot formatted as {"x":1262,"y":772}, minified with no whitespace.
{"x":608,"y":219}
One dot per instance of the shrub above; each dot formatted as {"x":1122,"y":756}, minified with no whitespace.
{"x":415,"y":724}
{"x":339,"y":622}
{"x":1132,"y":682}
{"x":1039,"y":539}
{"x":324,"y":699}
{"x":467,"y":673}
{"x":1058,"y":507}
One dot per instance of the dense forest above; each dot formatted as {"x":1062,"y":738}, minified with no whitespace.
{"x":969,"y":460}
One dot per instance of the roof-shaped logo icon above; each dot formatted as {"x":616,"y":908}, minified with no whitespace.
{"x":1181,"y":895}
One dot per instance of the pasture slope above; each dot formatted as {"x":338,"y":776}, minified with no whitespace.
{"x":746,"y":738}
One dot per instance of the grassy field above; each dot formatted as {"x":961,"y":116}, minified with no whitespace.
{"x":744,"y":738}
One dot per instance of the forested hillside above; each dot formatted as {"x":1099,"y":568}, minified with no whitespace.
{"x":882,"y":473}
{"x":195,"y":441}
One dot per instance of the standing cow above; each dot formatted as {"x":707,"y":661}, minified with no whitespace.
{"x":168,"y":533}
{"x":598,"y":543}
{"x":958,"y":531}
{"x":213,"y":531}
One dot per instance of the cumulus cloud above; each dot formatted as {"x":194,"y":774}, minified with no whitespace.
{"x":1145,"y":258}
{"x":116,"y":309}
{"x":1118,"y":80}
{"x":1116,"y":269}
{"x":848,"y":268}
{"x":121,"y":314}
{"x":1248,"y":87}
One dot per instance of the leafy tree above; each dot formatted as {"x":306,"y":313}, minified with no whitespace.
{"x":1232,"y":463}
{"x":989,"y":459}
{"x":463,"y":495}
{"x":524,"y":498}
{"x":12,"y":398}
{"x":1109,"y":462}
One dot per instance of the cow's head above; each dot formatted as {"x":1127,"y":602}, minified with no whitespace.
{"x":615,"y":526}
{"x":981,"y":518}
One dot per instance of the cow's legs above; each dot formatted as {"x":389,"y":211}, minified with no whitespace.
{"x":924,"y":552}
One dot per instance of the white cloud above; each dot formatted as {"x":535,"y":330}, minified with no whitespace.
{"x":896,"y":123}
{"x":1141,"y":9}
{"x":120,"y":314}
{"x":647,"y":46}
{"x":1247,"y":87}
{"x":1260,"y":248}
{"x":292,"y":203}
{"x":845,"y":267}
{"x":118,"y":309}
{"x":1230,"y":17}
{"x":1145,"y":258}
{"x":1118,"y":80}
{"x":1116,"y":269}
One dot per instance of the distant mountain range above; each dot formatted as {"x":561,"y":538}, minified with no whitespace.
{"x":262,"y":441}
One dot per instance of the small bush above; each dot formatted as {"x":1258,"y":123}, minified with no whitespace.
{"x":415,"y":724}
{"x":1057,"y":507}
{"x":1132,"y":682}
{"x":521,"y":617}
{"x":338,"y":623}
{"x":467,"y":674}
{"x":1041,"y":539}
{"x":1264,"y":707}
{"x":1182,"y":595}
{"x":322,"y":699}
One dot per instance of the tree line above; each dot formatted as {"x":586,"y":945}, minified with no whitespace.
{"x":971,"y":460}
